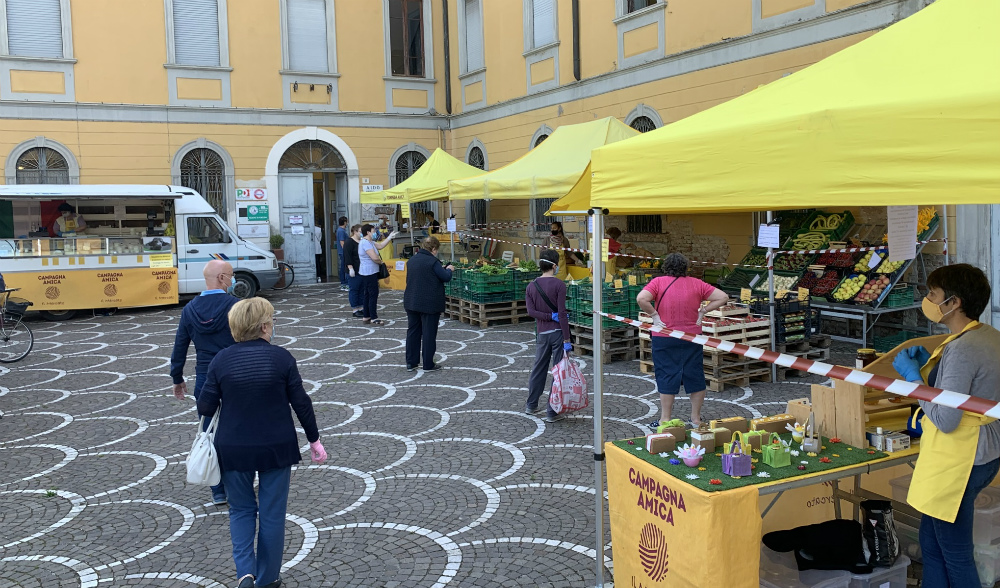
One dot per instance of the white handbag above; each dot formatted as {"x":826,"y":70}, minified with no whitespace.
{"x":202,"y":462}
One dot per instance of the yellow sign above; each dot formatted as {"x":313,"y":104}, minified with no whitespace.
{"x":745,"y":294}
{"x":161,"y":260}
{"x":632,"y":281}
{"x":517,"y":260}
{"x":667,"y":533}
{"x":781,"y":293}
{"x":605,"y":245}
{"x":618,"y":283}
{"x":803,"y":294}
{"x":405,"y":209}
{"x":464,"y":259}
{"x":96,"y":288}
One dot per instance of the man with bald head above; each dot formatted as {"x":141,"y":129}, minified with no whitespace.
{"x":205,"y":321}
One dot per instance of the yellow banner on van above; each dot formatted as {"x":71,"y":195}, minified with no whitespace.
{"x":668,"y":533}
{"x":96,"y":288}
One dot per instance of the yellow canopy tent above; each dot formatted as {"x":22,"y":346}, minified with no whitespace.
{"x":547,"y":171}
{"x":429,"y":182}
{"x":910,"y":116}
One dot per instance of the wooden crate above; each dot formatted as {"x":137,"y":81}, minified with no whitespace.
{"x":452,"y":308}
{"x":616,"y":344}
{"x":485,"y":314}
{"x":718,"y":384}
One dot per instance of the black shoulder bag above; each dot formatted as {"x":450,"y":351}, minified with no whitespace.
{"x":544,"y":297}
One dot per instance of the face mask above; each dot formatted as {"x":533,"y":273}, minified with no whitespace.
{"x":230,"y":289}
{"x":933,"y":311}
{"x":272,"y":330}
{"x":555,"y":231}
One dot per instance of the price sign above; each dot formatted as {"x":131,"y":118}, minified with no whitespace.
{"x":517,"y":260}
{"x":803,"y":294}
{"x":782,"y":293}
{"x":632,"y":281}
{"x":605,"y":245}
{"x":464,"y":259}
{"x":618,"y":283}
{"x":745,"y":294}
{"x":452,"y":225}
{"x":405,"y":209}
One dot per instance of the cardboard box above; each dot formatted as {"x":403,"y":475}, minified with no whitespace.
{"x":733,"y":424}
{"x":799,"y":409}
{"x":896,"y":442}
{"x":679,"y":433}
{"x":722,"y":436}
{"x":703,"y":439}
{"x":774,"y":424}
{"x":660,"y":443}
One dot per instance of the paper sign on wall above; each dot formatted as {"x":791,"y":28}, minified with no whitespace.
{"x":452,"y":225}
{"x":405,"y":209}
{"x":298,"y":230}
{"x":769,"y":236}
{"x":507,"y":256}
{"x":902,"y":221}
{"x":295,"y":219}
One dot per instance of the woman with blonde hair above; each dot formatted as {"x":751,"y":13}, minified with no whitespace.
{"x":252,"y":383}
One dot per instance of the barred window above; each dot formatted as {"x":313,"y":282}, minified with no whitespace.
{"x":539,"y":207}
{"x":644,"y":223}
{"x":406,"y":165}
{"x":41,"y":165}
{"x":476,"y":158}
{"x":540,"y":139}
{"x":643,"y":124}
{"x":204,"y":171}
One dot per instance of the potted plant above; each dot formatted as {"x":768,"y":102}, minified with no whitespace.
{"x":276,"y":241}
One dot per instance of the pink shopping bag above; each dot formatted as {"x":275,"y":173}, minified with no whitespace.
{"x":569,"y":387}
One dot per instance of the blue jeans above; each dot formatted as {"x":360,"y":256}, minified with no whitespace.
{"x":219,"y":490}
{"x":947,"y":547}
{"x":243,"y":517}
{"x":341,"y":267}
{"x":354,"y":295}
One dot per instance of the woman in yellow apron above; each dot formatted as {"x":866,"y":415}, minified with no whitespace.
{"x":559,"y":242}
{"x":959,"y":451}
{"x":68,"y":221}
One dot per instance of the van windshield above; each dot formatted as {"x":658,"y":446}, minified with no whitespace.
{"x":206,"y":229}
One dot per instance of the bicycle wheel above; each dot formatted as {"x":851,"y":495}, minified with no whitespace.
{"x":16,"y":339}
{"x":287,"y":274}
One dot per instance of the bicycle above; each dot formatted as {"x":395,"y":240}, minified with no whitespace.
{"x":16,"y":339}
{"x":287,"y":274}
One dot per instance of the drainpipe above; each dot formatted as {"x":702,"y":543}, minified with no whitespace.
{"x":447,"y":57}
{"x":576,"y":40}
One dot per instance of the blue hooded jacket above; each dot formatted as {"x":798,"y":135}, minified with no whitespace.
{"x":204,"y":321}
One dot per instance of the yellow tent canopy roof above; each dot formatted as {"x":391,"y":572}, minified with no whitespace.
{"x":429,"y":182}
{"x":910,"y":115}
{"x":547,"y":171}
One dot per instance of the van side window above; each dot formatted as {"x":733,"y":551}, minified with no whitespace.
{"x":206,"y":229}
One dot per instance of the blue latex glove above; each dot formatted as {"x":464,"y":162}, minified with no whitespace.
{"x":555,"y":316}
{"x":567,"y":347}
{"x":918,"y":353}
{"x":907,"y":367}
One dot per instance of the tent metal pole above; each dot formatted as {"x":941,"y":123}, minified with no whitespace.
{"x":597,"y":263}
{"x":451,"y":234}
{"x":772,"y":301}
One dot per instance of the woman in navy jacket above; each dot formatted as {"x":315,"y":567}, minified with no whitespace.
{"x":255,"y":382}
{"x":423,"y":301}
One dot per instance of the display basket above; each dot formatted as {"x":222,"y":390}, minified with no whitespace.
{"x":801,"y":262}
{"x":714,"y":275}
{"x":901,"y":296}
{"x":761,"y":288}
{"x":488,"y":297}
{"x":738,"y":279}
{"x":480,"y":283}
{"x":789,"y":242}
{"x":838,"y":234}
{"x":781,"y":307}
{"x":932,"y":227}
{"x":791,"y":222}
{"x":755,"y":255}
{"x":17,"y":306}
{"x":850,"y":300}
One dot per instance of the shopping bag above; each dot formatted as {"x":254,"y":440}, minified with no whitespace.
{"x":734,"y":461}
{"x":880,"y":533}
{"x":569,"y":387}
{"x":202,"y":462}
{"x":777,"y":453}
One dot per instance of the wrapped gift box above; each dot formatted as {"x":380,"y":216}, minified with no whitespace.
{"x":660,"y":443}
{"x":773,"y":424}
{"x":734,"y":424}
{"x":704,"y":439}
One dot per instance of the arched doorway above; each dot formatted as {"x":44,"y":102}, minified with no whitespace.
{"x":312,"y":184}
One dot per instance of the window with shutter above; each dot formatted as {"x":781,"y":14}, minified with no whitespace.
{"x":406,"y":37}
{"x":34,"y":28}
{"x":473,"y":35}
{"x":543,"y":19}
{"x":307,"y":36}
{"x":196,"y":32}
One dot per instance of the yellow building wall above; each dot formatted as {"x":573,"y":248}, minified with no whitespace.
{"x":696,"y":23}
{"x":361,"y":56}
{"x":255,"y":53}
{"x":599,"y":53}
{"x":503,"y":40}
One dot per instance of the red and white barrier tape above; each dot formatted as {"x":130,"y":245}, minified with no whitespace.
{"x":891,"y":385}
{"x":497,"y":225}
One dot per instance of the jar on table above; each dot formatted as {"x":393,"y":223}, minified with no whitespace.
{"x":865,"y":357}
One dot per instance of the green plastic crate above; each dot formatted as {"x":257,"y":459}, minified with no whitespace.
{"x":480,"y":283}
{"x":888,"y":343}
{"x":488,"y":297}
{"x":899,"y":297}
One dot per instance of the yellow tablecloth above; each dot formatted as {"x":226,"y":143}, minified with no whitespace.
{"x":397,"y":277}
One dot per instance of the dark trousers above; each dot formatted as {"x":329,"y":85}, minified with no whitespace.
{"x":421,"y":329}
{"x":548,"y":348}
{"x":261,"y":515}
{"x":354,"y":292}
{"x":341,"y":268}
{"x":947,"y":547}
{"x":369,"y":296}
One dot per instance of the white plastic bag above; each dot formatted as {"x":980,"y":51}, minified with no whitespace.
{"x":569,"y":387}
{"x":202,"y":462}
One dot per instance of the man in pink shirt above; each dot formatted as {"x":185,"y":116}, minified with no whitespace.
{"x":675,"y":303}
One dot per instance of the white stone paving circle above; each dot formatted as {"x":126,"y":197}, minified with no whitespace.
{"x":434,"y":479}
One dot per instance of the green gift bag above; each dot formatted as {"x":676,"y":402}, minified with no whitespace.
{"x":777,"y":453}
{"x":755,"y":440}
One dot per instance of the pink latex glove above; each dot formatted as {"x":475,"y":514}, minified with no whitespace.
{"x":318,"y":452}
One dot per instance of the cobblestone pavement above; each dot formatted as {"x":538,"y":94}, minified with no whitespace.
{"x":434,"y":479}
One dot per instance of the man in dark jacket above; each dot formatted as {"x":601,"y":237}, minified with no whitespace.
{"x":205,"y":320}
{"x":423,"y":301}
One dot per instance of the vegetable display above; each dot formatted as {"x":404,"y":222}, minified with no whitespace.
{"x":849,"y":288}
{"x":810,"y":240}
{"x":528,"y":265}
{"x":825,"y":284}
{"x":924,"y":218}
{"x":792,"y":262}
{"x":826,"y":223}
{"x":872,"y":290}
{"x":831,"y":259}
{"x":889,"y":267}
{"x":755,"y":259}
{"x":862,"y":265}
{"x":781,"y":282}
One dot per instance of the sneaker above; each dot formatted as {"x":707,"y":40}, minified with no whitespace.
{"x":529,"y":410}
{"x":275,"y":584}
{"x":411,"y":368}
{"x":433,"y":368}
{"x":246,"y":582}
{"x":345,"y":288}
{"x":358,"y":314}
{"x":555,"y":418}
{"x":219,"y":499}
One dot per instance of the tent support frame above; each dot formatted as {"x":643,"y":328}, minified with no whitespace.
{"x":597,"y":263}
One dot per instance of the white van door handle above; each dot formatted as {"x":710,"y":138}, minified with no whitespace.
{"x":192,"y":251}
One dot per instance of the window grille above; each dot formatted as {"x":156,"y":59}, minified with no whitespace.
{"x":196,"y":32}
{"x":644,"y":223}
{"x":406,"y":165}
{"x":311,"y":156}
{"x":643,"y":124}
{"x":476,"y":158}
{"x":34,"y":28}
{"x":406,"y":37}
{"x":204,"y":171}
{"x":41,"y":165}
{"x":540,"y":139}
{"x":539,"y":207}
{"x":307,"y":36}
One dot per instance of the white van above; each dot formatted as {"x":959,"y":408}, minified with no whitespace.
{"x":132,"y":245}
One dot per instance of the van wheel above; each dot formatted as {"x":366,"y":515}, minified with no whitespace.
{"x":57,"y":315}
{"x":244,"y":286}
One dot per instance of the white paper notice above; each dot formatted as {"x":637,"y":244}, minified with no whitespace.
{"x":902,"y":232}
{"x":875,"y":260}
{"x":298,"y":230}
{"x":400,"y":266}
{"x":452,"y":225}
{"x":754,"y":281}
{"x":769,"y":236}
